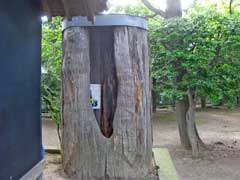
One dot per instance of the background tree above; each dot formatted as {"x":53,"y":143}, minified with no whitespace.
{"x":201,"y":46}
{"x":174,"y":10}
{"x":51,"y":69}
{"x":192,"y":57}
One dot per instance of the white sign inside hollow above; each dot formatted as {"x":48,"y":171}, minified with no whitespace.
{"x":95,"y":96}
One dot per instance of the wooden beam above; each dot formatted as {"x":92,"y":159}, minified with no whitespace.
{"x":66,"y":8}
{"x":47,"y":9}
{"x":69,"y":8}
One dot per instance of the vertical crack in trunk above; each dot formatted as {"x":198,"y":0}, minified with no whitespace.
{"x":106,"y":168}
{"x":97,"y":157}
{"x":103,"y":72}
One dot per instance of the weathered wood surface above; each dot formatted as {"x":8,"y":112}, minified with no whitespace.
{"x":87,"y":153}
{"x":70,"y":8}
{"x":103,"y":71}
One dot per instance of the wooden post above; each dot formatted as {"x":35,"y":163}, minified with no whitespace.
{"x":114,"y":142}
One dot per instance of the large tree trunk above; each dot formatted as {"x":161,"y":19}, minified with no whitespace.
{"x":181,"y":111}
{"x":125,"y":151}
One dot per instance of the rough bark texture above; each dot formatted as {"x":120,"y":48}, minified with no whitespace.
{"x":189,"y":136}
{"x":191,"y":126}
{"x":181,"y":111}
{"x":87,"y":154}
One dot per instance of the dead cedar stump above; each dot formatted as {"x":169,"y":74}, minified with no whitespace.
{"x":116,"y":141}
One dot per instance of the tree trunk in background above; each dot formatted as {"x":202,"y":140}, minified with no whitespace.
{"x":154,"y":97}
{"x":191,"y":125}
{"x":203,"y":102}
{"x":87,"y":153}
{"x":173,"y":9}
{"x":185,"y":109}
{"x":238,"y":101}
{"x":181,"y":111}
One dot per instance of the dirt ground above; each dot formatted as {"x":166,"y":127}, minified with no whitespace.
{"x":219,"y":129}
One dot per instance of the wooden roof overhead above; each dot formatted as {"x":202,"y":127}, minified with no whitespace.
{"x":70,"y":8}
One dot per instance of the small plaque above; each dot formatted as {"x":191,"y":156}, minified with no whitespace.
{"x":95,"y":97}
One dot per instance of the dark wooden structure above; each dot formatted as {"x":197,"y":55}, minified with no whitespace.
{"x":20,"y":70}
{"x":114,"y":142}
{"x":70,"y":8}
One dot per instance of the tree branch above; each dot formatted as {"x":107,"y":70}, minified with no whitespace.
{"x":152,"y":8}
{"x":151,"y":16}
{"x":230,"y":7}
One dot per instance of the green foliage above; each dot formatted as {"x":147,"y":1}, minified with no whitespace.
{"x":200,"y":51}
{"x":135,"y":10}
{"x":51,"y":65}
